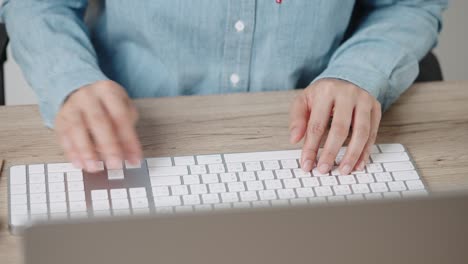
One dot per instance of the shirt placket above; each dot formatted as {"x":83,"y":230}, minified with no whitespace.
{"x":238,"y":45}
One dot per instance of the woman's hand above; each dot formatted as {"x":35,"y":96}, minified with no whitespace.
{"x":97,"y":122}
{"x":348,"y":106}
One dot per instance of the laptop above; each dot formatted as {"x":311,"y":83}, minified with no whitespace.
{"x":417,"y":230}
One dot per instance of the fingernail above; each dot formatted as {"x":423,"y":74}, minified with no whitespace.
{"x":324,"y":168}
{"x":91,"y":165}
{"x":77,"y":164}
{"x":294,"y":135}
{"x":114,"y":163}
{"x":307,"y":166}
{"x":346,"y":169}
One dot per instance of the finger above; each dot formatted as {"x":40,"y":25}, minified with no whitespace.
{"x":298,"y":116}
{"x":376,"y":115}
{"x":339,"y":130}
{"x":70,"y":151}
{"x":319,"y":116}
{"x":75,"y":130}
{"x":359,"y":138}
{"x":103,"y":133}
{"x":124,"y":116}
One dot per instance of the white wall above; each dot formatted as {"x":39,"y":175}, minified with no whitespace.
{"x":452,"y":52}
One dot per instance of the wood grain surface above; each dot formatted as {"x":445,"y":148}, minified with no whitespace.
{"x":431,"y":120}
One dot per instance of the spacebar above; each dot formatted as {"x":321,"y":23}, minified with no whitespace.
{"x":259,"y":156}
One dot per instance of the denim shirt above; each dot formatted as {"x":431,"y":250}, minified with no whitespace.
{"x":159,"y":48}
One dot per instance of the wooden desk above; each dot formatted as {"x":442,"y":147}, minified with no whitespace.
{"x":430,"y":119}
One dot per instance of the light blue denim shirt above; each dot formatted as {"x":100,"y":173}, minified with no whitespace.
{"x":182,"y":47}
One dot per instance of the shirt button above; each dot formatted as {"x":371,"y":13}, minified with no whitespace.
{"x":234,"y":79}
{"x":239,"y":26}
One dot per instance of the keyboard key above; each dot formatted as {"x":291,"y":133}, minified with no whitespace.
{"x":234,"y":167}
{"x":191,"y":199}
{"x":286,"y":193}
{"x":61,"y":167}
{"x":56,"y":187}
{"x":37,"y":178}
{"x":203,"y":207}
{"x":228,"y":177}
{"x":163,"y":201}
{"x":76,"y":196}
{"x":17,"y":189}
{"x":378,"y":187}
{"x":254,"y":185}
{"x":374,"y":149}
{"x":299,"y":173}
{"x":140,"y":202}
{"x":323,"y":191}
{"x":229,"y":197}
{"x":185,"y":160}
{"x":75,"y":176}
{"x":99,"y":195}
{"x":41,"y":188}
{"x":209,"y":159}
{"x":137,"y":192}
{"x":305,"y":192}
{"x":161,"y":191}
{"x":37,"y":198}
{"x":39,"y":208}
{"x":120,"y":193}
{"x":100,"y":205}
{"x":19,"y":209}
{"x":210,"y":198}
{"x":158,"y":162}
{"x":360,"y":188}
{"x":365,"y":178}
{"x":329,"y":181}
{"x":216,"y":168}
{"x":57,"y":197}
{"x":247,"y":176}
{"x":58,"y":207}
{"x":389,"y":157}
{"x":273,"y":184}
{"x":398,"y":166}
{"x":291,"y":183}
{"x":317,"y":173}
{"x":236,"y":186}
{"x":265,"y":175}
{"x":179,"y":190}
{"x":342,"y":190}
{"x":415,"y":185}
{"x":253,"y":166}
{"x":271,"y":165}
{"x":289,"y":164}
{"x":55,"y":177}
{"x":385,"y":148}
{"x":310,"y":182}
{"x":18,"y":199}
{"x":217,"y":187}
{"x":167,"y":171}
{"x":210,"y":178}
{"x":165,"y":180}
{"x":383,"y":177}
{"x":129,"y":165}
{"x":198,"y":169}
{"x":18,"y":175}
{"x":36,"y":168}
{"x":405,"y":175}
{"x":374,"y":167}
{"x":260,"y":156}
{"x":373,"y":196}
{"x":347,"y":179}
{"x":115,"y":174}
{"x":397,"y":186}
{"x":79,"y":206}
{"x":248,"y":196}
{"x":198,"y":189}
{"x":283,"y":174}
{"x":267,"y":195}
{"x":191,"y":179}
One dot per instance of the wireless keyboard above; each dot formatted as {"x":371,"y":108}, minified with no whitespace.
{"x":40,"y":192}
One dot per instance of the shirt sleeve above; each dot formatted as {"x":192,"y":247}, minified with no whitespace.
{"x":51,"y":43}
{"x":382,"y":56}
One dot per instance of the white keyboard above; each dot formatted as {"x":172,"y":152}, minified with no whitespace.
{"x":40,"y":192}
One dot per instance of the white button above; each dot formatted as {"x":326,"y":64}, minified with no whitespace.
{"x":239,"y":26}
{"x":235,"y":79}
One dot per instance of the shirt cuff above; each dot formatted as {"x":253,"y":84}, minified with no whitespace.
{"x":60,"y":87}
{"x":372,"y":81}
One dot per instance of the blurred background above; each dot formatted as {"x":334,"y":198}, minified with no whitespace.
{"x":452,"y":53}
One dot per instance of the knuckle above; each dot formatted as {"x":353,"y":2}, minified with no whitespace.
{"x":97,"y":117}
{"x":340,"y":130}
{"x":327,"y":155}
{"x":362,"y":131}
{"x":316,"y":128}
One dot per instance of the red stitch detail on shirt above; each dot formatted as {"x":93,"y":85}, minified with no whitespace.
{"x":279,"y":1}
